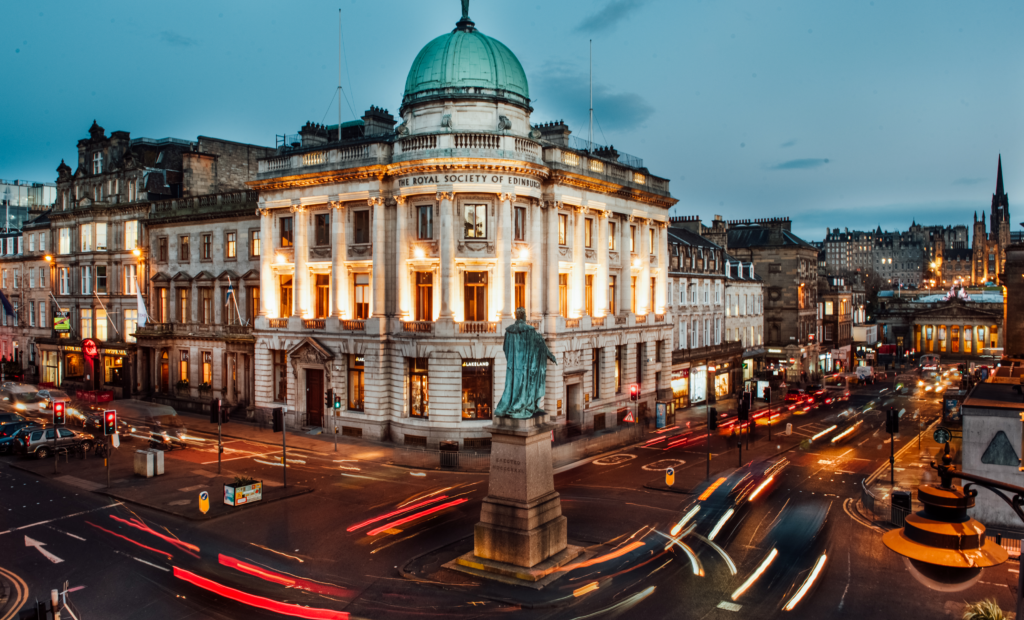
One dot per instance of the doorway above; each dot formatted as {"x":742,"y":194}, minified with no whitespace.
{"x":165,"y":374}
{"x":315,"y":397}
{"x":573,"y":408}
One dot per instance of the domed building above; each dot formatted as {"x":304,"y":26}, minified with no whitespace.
{"x":395,"y":251}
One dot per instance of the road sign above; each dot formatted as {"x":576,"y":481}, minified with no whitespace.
{"x":629,"y":417}
{"x":116,"y":440}
{"x":670,"y":476}
{"x":204,"y":502}
{"x":941,"y":435}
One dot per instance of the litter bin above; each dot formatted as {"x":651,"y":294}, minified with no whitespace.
{"x":449,"y":451}
{"x":900,"y":507}
{"x":144,"y":463}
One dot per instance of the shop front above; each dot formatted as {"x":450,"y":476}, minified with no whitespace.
{"x":477,"y":389}
{"x":698,"y":384}
{"x":680,"y":388}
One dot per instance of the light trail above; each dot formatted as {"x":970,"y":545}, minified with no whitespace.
{"x":711,"y":489}
{"x":689,"y":515}
{"x":169,"y":556}
{"x":718,"y":526}
{"x":761,"y":486}
{"x":807,"y":584}
{"x":139,"y":525}
{"x":618,"y":553}
{"x":291,"y":557}
{"x":418,"y":515}
{"x":755,"y":575}
{"x":283,"y":579}
{"x":590,"y":587}
{"x":824,"y":432}
{"x":397,"y":512}
{"x":289,"y":609}
{"x":846,"y":432}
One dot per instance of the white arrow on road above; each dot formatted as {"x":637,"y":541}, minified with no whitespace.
{"x":39,"y":546}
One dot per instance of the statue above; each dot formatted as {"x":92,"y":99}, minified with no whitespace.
{"x":526,"y":356}
{"x":465,"y":9}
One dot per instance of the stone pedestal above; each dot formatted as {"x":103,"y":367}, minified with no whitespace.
{"x":521,"y":520}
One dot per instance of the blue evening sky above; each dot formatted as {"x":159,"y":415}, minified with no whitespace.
{"x":852,"y":114}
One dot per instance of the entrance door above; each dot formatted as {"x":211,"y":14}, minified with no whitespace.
{"x":165,"y":374}
{"x":573,"y":407}
{"x":315,"y":397}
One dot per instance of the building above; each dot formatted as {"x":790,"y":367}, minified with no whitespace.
{"x":835,"y":309}
{"x":991,"y":443}
{"x":392,"y":259}
{"x":954,"y":327}
{"x":989,"y":249}
{"x":744,"y":314}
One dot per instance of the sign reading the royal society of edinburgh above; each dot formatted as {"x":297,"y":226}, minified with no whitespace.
{"x":471,"y":177}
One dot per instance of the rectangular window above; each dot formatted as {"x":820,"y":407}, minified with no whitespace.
{"x":207,"y":367}
{"x":595,"y":373}
{"x":356,"y":389}
{"x":829,"y":308}
{"x":163,"y":306}
{"x":253,"y":293}
{"x":618,"y":368}
{"x":589,"y":294}
{"x":97,"y":163}
{"x":101,"y":279}
{"x":184,"y":251}
{"x":323,"y":296}
{"x":206,"y":306}
{"x":654,"y":290}
{"x":475,"y":221}
{"x":254,"y":243}
{"x":64,"y":277}
{"x":611,"y":294}
{"x":611,"y":236}
{"x":31,"y":314}
{"x":425,"y":222}
{"x":229,"y":307}
{"x":101,"y":236}
{"x":86,"y":280}
{"x":32,"y":243}
{"x":130,"y":279}
{"x":65,"y":241}
{"x":476,"y":296}
{"x":131,"y":324}
{"x":632,"y":289}
{"x":42,"y":242}
{"x":653,"y":247}
{"x":519,"y":223}
{"x":424,"y":296}
{"x":287,"y":234}
{"x":419,"y":387}
{"x":588,"y":233}
{"x":361,"y":298}
{"x":361,"y":226}
{"x":101,"y":324}
{"x":207,"y":252}
{"x":161,"y":245}
{"x":279,"y":361}
{"x":477,"y":389}
{"x":183,"y":365}
{"x":131,"y":234}
{"x":85,"y":237}
{"x":632,"y":238}
{"x":563,"y":294}
{"x":520,"y":289}
{"x":85,"y":322}
{"x":42,"y":315}
{"x":641,"y":357}
{"x":285,"y":309}
{"x":563,"y":228}
{"x":322,"y":229}
{"x":231,"y":245}
{"x":184,"y":311}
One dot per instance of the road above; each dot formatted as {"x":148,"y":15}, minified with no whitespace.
{"x":341,"y":548}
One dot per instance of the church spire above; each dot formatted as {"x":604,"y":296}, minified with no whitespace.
{"x":1000,"y":201}
{"x":999,"y":176}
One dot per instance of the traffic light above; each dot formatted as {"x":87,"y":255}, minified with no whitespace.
{"x":766,"y":394}
{"x":892,"y":421}
{"x":712,"y":418}
{"x":110,"y":422}
{"x":634,"y":391}
{"x":215,"y":411}
{"x":278,"y":418}
{"x":59,"y":414}
{"x":328,"y":398}
{"x":337,"y":402}
{"x":743,"y":407}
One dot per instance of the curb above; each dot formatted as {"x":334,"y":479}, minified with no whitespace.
{"x":203,"y":517}
{"x":668,"y":489}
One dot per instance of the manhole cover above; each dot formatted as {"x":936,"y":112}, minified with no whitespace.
{"x":663,"y":464}
{"x":615,"y":459}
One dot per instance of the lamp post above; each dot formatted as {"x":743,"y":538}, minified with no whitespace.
{"x":944,"y":548}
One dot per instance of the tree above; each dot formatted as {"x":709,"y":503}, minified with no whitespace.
{"x":987,"y":609}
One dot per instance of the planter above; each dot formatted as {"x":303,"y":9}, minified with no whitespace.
{"x":239,"y":494}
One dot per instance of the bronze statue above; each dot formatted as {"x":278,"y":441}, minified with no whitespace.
{"x":526,"y":356}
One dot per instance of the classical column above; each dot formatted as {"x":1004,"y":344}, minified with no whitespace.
{"x":267,"y":291}
{"x":404,"y":241}
{"x":601,"y":280}
{"x":378,"y":253}
{"x":339,"y":276}
{"x":503,"y":249}
{"x":643,"y":281}
{"x":626,"y":263}
{"x":579,"y":263}
{"x":660,"y":303}
{"x":552,"y":258}
{"x":536,"y":259}
{"x":446,"y":251}
{"x":300,"y":279}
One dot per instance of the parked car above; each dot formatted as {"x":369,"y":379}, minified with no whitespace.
{"x":11,"y":431}
{"x":7,"y":418}
{"x":39,"y":442}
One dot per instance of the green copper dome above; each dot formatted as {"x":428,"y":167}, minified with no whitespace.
{"x":466,"y":63}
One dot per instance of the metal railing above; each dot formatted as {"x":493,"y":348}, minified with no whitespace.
{"x":580,"y":144}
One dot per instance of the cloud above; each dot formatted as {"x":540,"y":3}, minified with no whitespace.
{"x":563,"y":89}
{"x":612,"y":13}
{"x":173,"y":38}
{"x":966,"y":181}
{"x":799,"y":164}
{"x":787,"y":144}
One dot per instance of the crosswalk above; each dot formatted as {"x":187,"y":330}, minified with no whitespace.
{"x":810,"y":429}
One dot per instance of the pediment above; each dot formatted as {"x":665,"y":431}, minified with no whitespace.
{"x":204,"y":276}
{"x":229,"y":275}
{"x":181,"y":276}
{"x":308,"y":350}
{"x":160,"y":277}
{"x":252,"y":274}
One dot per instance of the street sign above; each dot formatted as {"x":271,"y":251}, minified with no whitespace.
{"x":204,"y":502}
{"x":116,"y":440}
{"x":629,"y":417}
{"x":670,"y":476}
{"x":941,"y":435}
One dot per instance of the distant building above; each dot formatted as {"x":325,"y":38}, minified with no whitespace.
{"x":22,"y":200}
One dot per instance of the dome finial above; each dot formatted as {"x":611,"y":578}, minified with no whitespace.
{"x":465,"y":24}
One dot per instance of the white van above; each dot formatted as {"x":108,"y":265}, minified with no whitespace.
{"x":865,"y":373}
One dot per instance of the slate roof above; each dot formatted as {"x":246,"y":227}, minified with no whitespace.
{"x":758,"y":236}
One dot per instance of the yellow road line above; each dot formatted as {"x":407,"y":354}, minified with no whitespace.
{"x":20,"y":596}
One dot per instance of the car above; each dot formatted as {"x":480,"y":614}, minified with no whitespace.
{"x":94,"y":424}
{"x":10,"y":432}
{"x":8,"y":417}
{"x":21,"y":397}
{"x":50,"y":396}
{"x":40,"y":442}
{"x":797,"y":396}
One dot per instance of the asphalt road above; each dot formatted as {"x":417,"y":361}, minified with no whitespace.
{"x":341,"y":547}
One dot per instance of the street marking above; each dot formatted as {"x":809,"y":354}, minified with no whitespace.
{"x":663,"y":464}
{"x":193,"y":488}
{"x":20,"y":596}
{"x":179,"y":502}
{"x":614,"y":459}
{"x":30,"y":542}
{"x":143,"y":561}
{"x":23,"y":527}
{"x":726,"y":605}
{"x":366,"y":477}
{"x":66,"y":533}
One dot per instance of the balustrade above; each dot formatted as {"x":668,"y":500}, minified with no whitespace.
{"x":478,"y":327}
{"x":418,"y":327}
{"x":419,"y":143}
{"x":314,"y":323}
{"x":278,"y":323}
{"x":354,"y":326}
{"x":477,"y":141}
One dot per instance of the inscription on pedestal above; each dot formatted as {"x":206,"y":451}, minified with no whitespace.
{"x":510,"y":466}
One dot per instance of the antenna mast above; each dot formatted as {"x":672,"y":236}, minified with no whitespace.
{"x":590,"y":145}
{"x":339,"y":75}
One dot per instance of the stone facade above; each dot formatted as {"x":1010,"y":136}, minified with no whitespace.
{"x":744,"y":313}
{"x":836,"y":311}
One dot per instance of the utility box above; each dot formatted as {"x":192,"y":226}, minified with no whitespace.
{"x":158,"y":462}
{"x":144,"y":463}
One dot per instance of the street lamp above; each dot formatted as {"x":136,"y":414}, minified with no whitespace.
{"x":942,"y":547}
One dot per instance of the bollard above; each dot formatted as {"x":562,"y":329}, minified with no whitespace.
{"x":670,"y":476}
{"x":789,"y":429}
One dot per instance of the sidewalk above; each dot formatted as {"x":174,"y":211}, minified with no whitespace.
{"x":913,"y":464}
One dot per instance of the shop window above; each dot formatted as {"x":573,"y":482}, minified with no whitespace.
{"x":588,"y":293}
{"x":207,"y":368}
{"x":183,"y":366}
{"x":361,"y":226}
{"x":477,"y":377}
{"x":322,"y":229}
{"x":230,"y":245}
{"x":74,"y":365}
{"x":520,"y":289}
{"x":425,"y":222}
{"x":362,"y":296}
{"x":287,"y":234}
{"x":475,"y":223}
{"x":424,"y":296}
{"x":419,"y":383}
{"x":681,"y":388}
{"x":113,"y":367}
{"x":285,"y":309}
{"x":356,"y":390}
{"x":476,"y":296}
{"x":279,"y":360}
{"x":323,"y":295}
{"x":722,"y":385}
{"x":519,"y":223}
{"x":563,"y":294}
{"x":611,"y":294}
{"x":563,"y":228}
